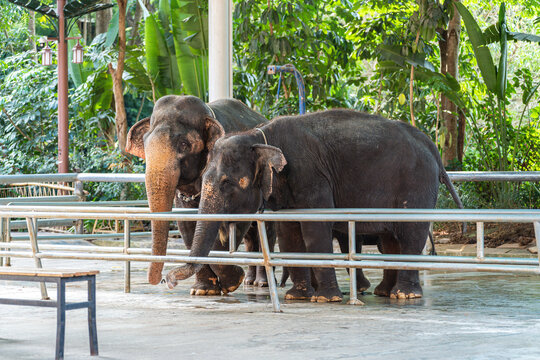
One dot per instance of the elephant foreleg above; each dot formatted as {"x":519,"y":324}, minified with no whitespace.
{"x":206,"y":281}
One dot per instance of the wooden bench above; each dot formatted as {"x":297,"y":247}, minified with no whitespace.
{"x":60,"y":278}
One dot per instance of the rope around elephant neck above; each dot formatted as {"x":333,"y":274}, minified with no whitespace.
{"x":211,"y":111}
{"x":263,"y":202}
{"x":263,"y":134}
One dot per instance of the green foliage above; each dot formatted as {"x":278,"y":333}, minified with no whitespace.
{"x":176,"y":45}
{"x":311,"y":35}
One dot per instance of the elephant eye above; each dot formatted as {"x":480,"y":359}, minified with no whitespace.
{"x":184,"y":145}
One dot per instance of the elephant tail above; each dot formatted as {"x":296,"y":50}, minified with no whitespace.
{"x":443,"y":178}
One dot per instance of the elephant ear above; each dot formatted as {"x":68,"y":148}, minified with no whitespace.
{"x":269,"y":158}
{"x":213,"y":131}
{"x":135,"y":141}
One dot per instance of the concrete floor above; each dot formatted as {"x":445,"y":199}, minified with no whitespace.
{"x":462,"y":316}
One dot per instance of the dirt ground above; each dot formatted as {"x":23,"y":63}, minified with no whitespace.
{"x":521,"y":234}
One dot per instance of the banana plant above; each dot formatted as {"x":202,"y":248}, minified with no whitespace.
{"x":495,"y":77}
{"x":176,"y":47}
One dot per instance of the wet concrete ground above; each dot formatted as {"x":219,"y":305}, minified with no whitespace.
{"x":462,"y":316}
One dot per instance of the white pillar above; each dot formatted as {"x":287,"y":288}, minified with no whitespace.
{"x":219,"y":49}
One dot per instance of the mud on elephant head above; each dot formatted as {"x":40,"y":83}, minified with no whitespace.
{"x":175,"y":142}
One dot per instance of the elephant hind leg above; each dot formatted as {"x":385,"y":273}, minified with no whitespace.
{"x":362,"y":283}
{"x":412,"y":242}
{"x":289,"y":235}
{"x":388,"y":245}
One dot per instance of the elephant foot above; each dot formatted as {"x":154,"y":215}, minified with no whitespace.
{"x":362,"y":283}
{"x":300,"y":291}
{"x":251,"y":275}
{"x":261,"y":280}
{"x":406,"y":290}
{"x":327,"y":295}
{"x":232,"y":279}
{"x":383,"y":289}
{"x":209,"y":287}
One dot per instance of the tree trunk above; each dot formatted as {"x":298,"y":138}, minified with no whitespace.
{"x":103,"y":18}
{"x":116,"y":74}
{"x":449,"y":46}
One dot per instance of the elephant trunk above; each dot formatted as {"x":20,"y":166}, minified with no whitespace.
{"x":162,"y":174}
{"x":205,"y":236}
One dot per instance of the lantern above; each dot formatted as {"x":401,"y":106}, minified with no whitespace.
{"x":77,"y":53}
{"x":46,"y":55}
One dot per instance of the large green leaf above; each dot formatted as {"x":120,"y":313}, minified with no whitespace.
{"x":162,"y":67}
{"x":112,"y":31}
{"x":135,"y":73}
{"x":164,"y":14}
{"x":391,"y":52}
{"x":492,"y":35}
{"x":501,"y":73}
{"x":481,"y":51}
{"x":190,"y":42}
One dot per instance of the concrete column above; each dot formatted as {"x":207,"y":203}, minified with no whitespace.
{"x":220,"y":49}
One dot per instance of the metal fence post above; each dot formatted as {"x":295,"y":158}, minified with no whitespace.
{"x":480,"y":240}
{"x":2,"y":238}
{"x":537,"y":235}
{"x":353,"y":298}
{"x":232,"y":237}
{"x":79,"y":192}
{"x":127,"y":264}
{"x":7,"y":238}
{"x":31,"y":223}
{"x":272,"y":285}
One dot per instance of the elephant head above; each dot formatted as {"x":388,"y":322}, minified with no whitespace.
{"x":175,"y":142}
{"x":239,"y":175}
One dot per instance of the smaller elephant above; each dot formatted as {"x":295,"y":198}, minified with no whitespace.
{"x":329,"y":159}
{"x":175,"y":142}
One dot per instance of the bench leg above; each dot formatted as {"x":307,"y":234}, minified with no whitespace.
{"x":92,"y":329}
{"x":60,"y":319}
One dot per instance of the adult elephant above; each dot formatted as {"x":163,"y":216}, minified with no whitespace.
{"x":330,"y":159}
{"x":175,"y":142}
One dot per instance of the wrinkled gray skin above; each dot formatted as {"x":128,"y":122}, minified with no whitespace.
{"x":175,"y":142}
{"x":329,"y":159}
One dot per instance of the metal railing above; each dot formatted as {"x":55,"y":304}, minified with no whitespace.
{"x":269,"y":259}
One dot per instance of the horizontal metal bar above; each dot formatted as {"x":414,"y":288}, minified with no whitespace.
{"x":120,"y":177}
{"x":365,"y":264}
{"x":371,"y":264}
{"x":92,"y":209}
{"x":78,"y":204}
{"x":39,"y":199}
{"x":11,"y":179}
{"x":116,"y":177}
{"x":281,"y":255}
{"x":143,"y":234}
{"x":27,"y":302}
{"x":21,"y":224}
{"x":494,"y":175}
{"x":456,"y":215}
{"x":77,"y":305}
